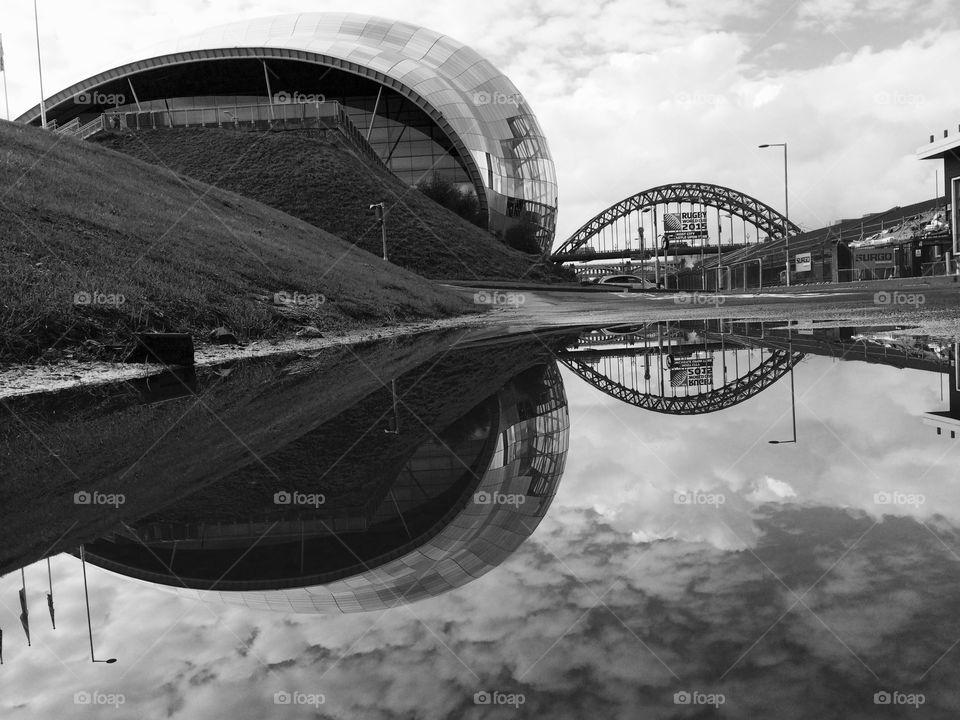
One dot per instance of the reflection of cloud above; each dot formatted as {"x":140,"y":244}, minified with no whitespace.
{"x":882,"y":603}
{"x":860,"y":434}
{"x":768,"y":489}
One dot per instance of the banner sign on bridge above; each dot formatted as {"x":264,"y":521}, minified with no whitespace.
{"x":685,"y":226}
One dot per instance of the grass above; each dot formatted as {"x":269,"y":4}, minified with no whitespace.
{"x":76,"y":217}
{"x":324,"y":183}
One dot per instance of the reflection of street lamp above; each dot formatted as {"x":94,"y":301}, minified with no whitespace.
{"x":786,"y":205}
{"x":793,"y":404}
{"x":86,"y":595}
{"x":656,"y":244}
{"x":395,"y":430}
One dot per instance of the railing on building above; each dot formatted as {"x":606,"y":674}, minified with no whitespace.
{"x":319,"y":115}
{"x":939,"y":267}
{"x":69,"y":129}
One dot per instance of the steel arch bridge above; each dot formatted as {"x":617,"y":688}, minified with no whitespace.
{"x":585,"y":361}
{"x":725,"y":199}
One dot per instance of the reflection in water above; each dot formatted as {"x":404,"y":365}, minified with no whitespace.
{"x":413,"y":486}
{"x":696,"y":367}
{"x":825,"y":576}
{"x":677,"y":368}
{"x":457,"y":506}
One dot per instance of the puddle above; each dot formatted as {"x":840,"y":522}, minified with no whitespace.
{"x":723,"y":517}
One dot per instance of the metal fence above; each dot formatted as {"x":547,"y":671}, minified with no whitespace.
{"x":278,"y":116}
{"x":322,"y":116}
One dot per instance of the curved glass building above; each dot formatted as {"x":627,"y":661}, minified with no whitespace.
{"x":425,"y":102}
{"x":451,"y":509}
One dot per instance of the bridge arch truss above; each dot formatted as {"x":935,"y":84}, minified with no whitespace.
{"x":777,"y":364}
{"x":724,"y":199}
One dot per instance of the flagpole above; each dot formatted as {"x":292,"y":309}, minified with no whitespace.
{"x":43,"y":107}
{"x":24,"y":613}
{"x":50,"y":595}
{"x":3,"y":67}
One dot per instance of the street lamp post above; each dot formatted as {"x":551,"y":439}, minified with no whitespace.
{"x":793,"y":402}
{"x":720,"y":242}
{"x":656,"y":245}
{"x":86,"y":595}
{"x":380,"y":211}
{"x":643,"y":254}
{"x":786,"y":205}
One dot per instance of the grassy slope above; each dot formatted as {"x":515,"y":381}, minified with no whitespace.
{"x":77,"y":217}
{"x":323,"y":183}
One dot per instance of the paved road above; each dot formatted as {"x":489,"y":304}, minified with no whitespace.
{"x":933,"y":305}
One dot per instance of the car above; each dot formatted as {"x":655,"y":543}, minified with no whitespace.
{"x":629,"y":282}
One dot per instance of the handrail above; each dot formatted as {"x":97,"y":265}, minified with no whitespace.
{"x":71,"y":127}
{"x":237,"y":116}
{"x":277,"y":116}
{"x":92,"y":127}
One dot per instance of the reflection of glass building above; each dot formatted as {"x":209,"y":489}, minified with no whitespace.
{"x":460,"y":505}
{"x":426,"y":102}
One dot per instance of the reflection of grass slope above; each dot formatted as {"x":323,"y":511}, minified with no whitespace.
{"x":76,"y":217}
{"x":322,"y":183}
{"x":156,"y":454}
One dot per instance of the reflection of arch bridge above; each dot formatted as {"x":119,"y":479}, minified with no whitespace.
{"x":638,"y":371}
{"x":618,"y":225}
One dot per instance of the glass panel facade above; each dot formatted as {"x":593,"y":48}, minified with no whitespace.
{"x":509,"y":455}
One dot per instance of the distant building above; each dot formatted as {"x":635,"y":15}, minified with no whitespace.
{"x":947,"y":422}
{"x":947,"y":149}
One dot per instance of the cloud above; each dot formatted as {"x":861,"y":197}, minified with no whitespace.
{"x":636,"y":95}
{"x":836,"y":15}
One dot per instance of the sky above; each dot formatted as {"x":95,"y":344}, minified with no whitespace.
{"x":799,"y":593}
{"x":633,"y":94}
